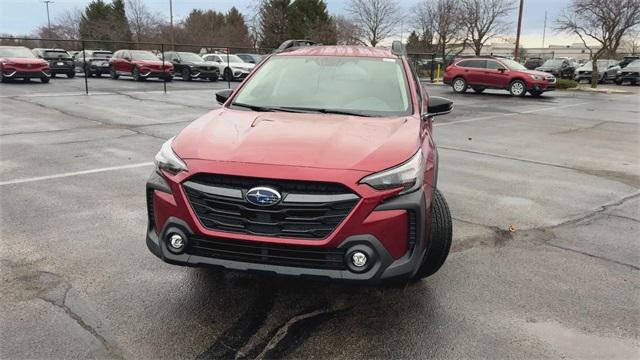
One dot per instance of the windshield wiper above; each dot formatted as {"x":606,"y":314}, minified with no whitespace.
{"x":266,"y":108}
{"x":329,"y":111}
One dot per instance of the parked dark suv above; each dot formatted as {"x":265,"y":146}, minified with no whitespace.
{"x":191,"y":66}
{"x":533,"y":63}
{"x":93,"y":62}
{"x":60,"y":62}
{"x":562,"y":68}
{"x":486,"y":72}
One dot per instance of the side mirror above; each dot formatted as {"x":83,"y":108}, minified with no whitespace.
{"x":223,"y":95}
{"x":438,"y":106}
{"x":502,"y":70}
{"x":127,"y":58}
{"x":177,"y":61}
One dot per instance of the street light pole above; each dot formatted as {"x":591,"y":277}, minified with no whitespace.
{"x":517,"y":51}
{"x":46,"y":2}
{"x":173,"y":41}
{"x":544,"y":30}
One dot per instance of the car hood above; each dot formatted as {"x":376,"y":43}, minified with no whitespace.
{"x":202,"y":63}
{"x":243,"y":65}
{"x":25,"y":61}
{"x":543,"y":68}
{"x":631,"y":69}
{"x":534,"y":72}
{"x":152,"y":62}
{"x":302,"y":140}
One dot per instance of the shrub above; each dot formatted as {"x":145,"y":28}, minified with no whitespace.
{"x":566,"y":84}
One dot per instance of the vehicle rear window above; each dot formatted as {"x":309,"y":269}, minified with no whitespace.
{"x":56,"y":54}
{"x":102,"y":55}
{"x":367,"y":86}
{"x":473,"y":63}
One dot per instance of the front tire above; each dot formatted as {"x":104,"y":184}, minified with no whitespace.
{"x":478,"y":90}
{"x":186,"y":74}
{"x":535,"y":93}
{"x":440,"y":236}
{"x":518,"y":88}
{"x":71,"y":74}
{"x":112,"y":72}
{"x":228,"y":76}
{"x":136,"y":74}
{"x":44,"y":80}
{"x":459,"y":85}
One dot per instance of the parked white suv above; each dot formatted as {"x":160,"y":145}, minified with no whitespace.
{"x":234,"y":67}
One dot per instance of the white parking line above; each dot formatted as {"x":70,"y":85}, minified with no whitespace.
{"x":75,"y":173}
{"x":510,"y":114}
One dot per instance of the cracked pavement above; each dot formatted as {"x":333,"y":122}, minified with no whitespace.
{"x":545,"y":195}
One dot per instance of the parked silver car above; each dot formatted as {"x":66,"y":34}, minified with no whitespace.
{"x":608,"y":69}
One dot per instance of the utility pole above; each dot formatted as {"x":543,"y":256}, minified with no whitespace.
{"x":173,"y":40}
{"x":544,"y":30}
{"x":46,"y":2}
{"x":517,"y":51}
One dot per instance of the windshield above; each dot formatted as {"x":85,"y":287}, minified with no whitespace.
{"x":358,"y":85}
{"x":232,"y":58}
{"x":56,"y":54}
{"x":601,"y":63}
{"x":16,"y":52}
{"x":143,"y":55}
{"x":102,"y":54}
{"x":513,"y":65}
{"x":553,"y":63}
{"x":187,"y":56}
{"x":635,"y":63}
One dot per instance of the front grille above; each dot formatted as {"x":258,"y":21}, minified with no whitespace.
{"x":551,"y":79}
{"x":308,"y":210}
{"x":273,"y":254}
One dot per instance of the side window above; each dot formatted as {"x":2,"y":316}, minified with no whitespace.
{"x":478,"y":64}
{"x":494,"y":65}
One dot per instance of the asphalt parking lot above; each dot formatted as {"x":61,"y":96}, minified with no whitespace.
{"x":562,"y":172}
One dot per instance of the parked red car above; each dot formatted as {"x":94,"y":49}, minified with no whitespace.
{"x":487,"y":72}
{"x":18,"y":62}
{"x":321,"y":163}
{"x":139,"y":64}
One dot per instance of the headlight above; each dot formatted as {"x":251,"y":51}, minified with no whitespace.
{"x":167,"y":160}
{"x":536,"y":77}
{"x":618,"y":72}
{"x":408,"y":175}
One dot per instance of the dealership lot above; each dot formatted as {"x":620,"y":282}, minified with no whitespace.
{"x":562,"y":172}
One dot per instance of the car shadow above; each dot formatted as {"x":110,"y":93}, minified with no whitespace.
{"x":492,"y":96}
{"x":258,"y":304}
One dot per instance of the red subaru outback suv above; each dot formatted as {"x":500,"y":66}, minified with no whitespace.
{"x":139,"y":64}
{"x":18,"y":62}
{"x":487,"y":72}
{"x":321,"y":163}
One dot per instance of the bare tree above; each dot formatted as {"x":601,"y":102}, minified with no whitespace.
{"x":631,"y":42}
{"x":376,"y":19}
{"x":348,"y":32}
{"x":482,"y":20}
{"x":602,"y":22}
{"x":144,"y":24}
{"x":441,"y":18}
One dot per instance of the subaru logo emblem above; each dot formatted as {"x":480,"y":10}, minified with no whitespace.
{"x":263,"y":196}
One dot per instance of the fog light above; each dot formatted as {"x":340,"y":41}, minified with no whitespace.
{"x":359,"y":259}
{"x":177,"y":242}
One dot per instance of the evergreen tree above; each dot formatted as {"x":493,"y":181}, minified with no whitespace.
{"x":414,"y":44}
{"x":274,"y":27}
{"x":102,"y":21}
{"x":236,"y":29}
{"x":309,"y":19}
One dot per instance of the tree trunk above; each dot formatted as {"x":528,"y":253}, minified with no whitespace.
{"x":594,"y":74}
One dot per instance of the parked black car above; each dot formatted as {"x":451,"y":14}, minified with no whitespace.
{"x":60,"y":62}
{"x":560,"y":68}
{"x":294,"y":43}
{"x":630,"y":73}
{"x":191,"y":66}
{"x":533,"y":62}
{"x":97,"y":62}
{"x":251,"y":58}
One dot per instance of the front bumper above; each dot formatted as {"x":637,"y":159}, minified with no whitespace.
{"x":14,"y":74}
{"x":379,"y":236}
{"x":156,"y":74}
{"x":630,"y":77}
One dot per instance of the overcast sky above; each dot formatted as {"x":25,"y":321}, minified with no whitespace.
{"x":24,"y":16}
